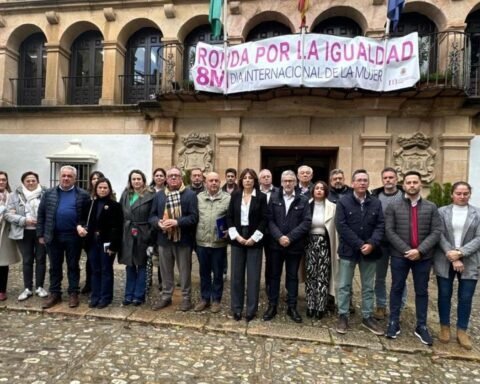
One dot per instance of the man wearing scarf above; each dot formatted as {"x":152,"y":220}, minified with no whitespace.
{"x":174,"y":215}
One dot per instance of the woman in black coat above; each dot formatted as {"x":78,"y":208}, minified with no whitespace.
{"x":101,"y":225}
{"x":246,"y":221}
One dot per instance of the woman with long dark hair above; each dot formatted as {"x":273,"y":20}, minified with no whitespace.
{"x":458,"y":255}
{"x":101,"y":225}
{"x":246,"y":221}
{"x":136,"y":202}
{"x":320,"y":252}
{"x":92,"y":181}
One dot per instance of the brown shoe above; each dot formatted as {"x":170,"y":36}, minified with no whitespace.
{"x":185,"y":306}
{"x":380,"y":313}
{"x":216,"y":307}
{"x":444,"y":335}
{"x":51,"y":301}
{"x":201,"y":306}
{"x":73,"y":301}
{"x":463,"y":339}
{"x":163,"y":303}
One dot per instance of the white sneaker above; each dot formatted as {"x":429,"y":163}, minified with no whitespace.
{"x":41,"y":292}
{"x":25,"y":295}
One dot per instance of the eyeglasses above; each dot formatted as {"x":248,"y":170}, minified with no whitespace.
{"x":174,"y":176}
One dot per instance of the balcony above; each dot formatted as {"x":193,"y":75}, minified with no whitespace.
{"x":449,"y":65}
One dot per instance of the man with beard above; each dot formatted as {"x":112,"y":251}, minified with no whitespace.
{"x":338,"y":188}
{"x":413,"y":227}
{"x":196,"y":180}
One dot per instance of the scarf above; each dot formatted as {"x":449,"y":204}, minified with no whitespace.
{"x":173,"y":210}
{"x":32,"y":200}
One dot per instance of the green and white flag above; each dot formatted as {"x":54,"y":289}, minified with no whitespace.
{"x":215,"y":17}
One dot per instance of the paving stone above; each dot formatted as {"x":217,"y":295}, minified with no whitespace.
{"x":289,"y":331}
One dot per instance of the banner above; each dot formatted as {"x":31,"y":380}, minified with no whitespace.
{"x":311,"y":60}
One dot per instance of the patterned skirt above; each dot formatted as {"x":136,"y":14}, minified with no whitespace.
{"x":317,"y":263}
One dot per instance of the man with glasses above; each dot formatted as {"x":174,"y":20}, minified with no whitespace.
{"x":174,"y":215}
{"x":289,"y":222}
{"x":360,"y":225}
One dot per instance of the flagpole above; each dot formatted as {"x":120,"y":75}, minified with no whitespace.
{"x":225,"y":47}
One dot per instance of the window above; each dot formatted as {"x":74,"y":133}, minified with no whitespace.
{"x":473,"y":34}
{"x":85,"y":81}
{"x":268,"y":29}
{"x":144,"y":65}
{"x":427,"y":39}
{"x":338,"y":26}
{"x":201,"y":34}
{"x":32,"y":70}
{"x":83,"y":172}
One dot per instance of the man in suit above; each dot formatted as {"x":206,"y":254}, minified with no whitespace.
{"x":289,"y":222}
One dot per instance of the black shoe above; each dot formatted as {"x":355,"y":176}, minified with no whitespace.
{"x":103,"y":304}
{"x":237,"y":316}
{"x":137,"y":303}
{"x":126,"y":302}
{"x":294,"y":315}
{"x":93,"y":304}
{"x":310,"y":313}
{"x":319,"y":315}
{"x":270,"y":313}
{"x":249,"y":318}
{"x":86,"y":289}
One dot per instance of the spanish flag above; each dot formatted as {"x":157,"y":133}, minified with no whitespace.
{"x":303,"y":6}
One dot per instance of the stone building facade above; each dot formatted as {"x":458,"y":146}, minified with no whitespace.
{"x":115,"y":74}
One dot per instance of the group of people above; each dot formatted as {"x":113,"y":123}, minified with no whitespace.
{"x":319,"y":231}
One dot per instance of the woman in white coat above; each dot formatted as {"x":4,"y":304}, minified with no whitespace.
{"x":320,"y":253}
{"x":8,"y":249}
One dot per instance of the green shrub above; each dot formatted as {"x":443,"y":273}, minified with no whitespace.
{"x":440,"y":194}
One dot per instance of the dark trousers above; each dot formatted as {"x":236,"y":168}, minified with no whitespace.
{"x":292,"y":262}
{"x":64,"y":246}
{"x":211,"y":262}
{"x":3,"y":278}
{"x":101,"y":266}
{"x":32,"y":253}
{"x":400,"y":267}
{"x":466,"y":289}
{"x":268,"y":257}
{"x":245,"y":260}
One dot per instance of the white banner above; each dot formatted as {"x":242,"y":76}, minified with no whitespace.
{"x":310,"y":60}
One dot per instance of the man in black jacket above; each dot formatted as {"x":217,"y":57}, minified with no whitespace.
{"x":413,"y":227}
{"x":360,"y":225}
{"x":58,"y":217}
{"x":289,"y":222}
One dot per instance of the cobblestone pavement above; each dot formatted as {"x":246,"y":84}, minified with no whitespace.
{"x":127,"y":345}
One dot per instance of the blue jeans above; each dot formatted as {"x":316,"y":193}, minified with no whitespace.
{"x":64,"y":246}
{"x":400,"y":267}
{"x":211,"y":261}
{"x":101,"y":264}
{"x":380,"y":280}
{"x":346,"y":270}
{"x":136,"y":283}
{"x":466,"y":289}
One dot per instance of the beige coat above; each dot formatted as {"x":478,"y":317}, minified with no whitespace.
{"x":333,"y":235}
{"x":8,"y":248}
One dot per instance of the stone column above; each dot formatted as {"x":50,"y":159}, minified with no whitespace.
{"x":163,"y":142}
{"x":228,"y":144}
{"x":9,"y":68}
{"x":56,"y":88}
{"x":375,"y":141}
{"x":113,"y":66}
{"x":455,"y":145}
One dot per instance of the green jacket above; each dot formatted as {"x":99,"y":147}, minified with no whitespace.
{"x":209,"y":211}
